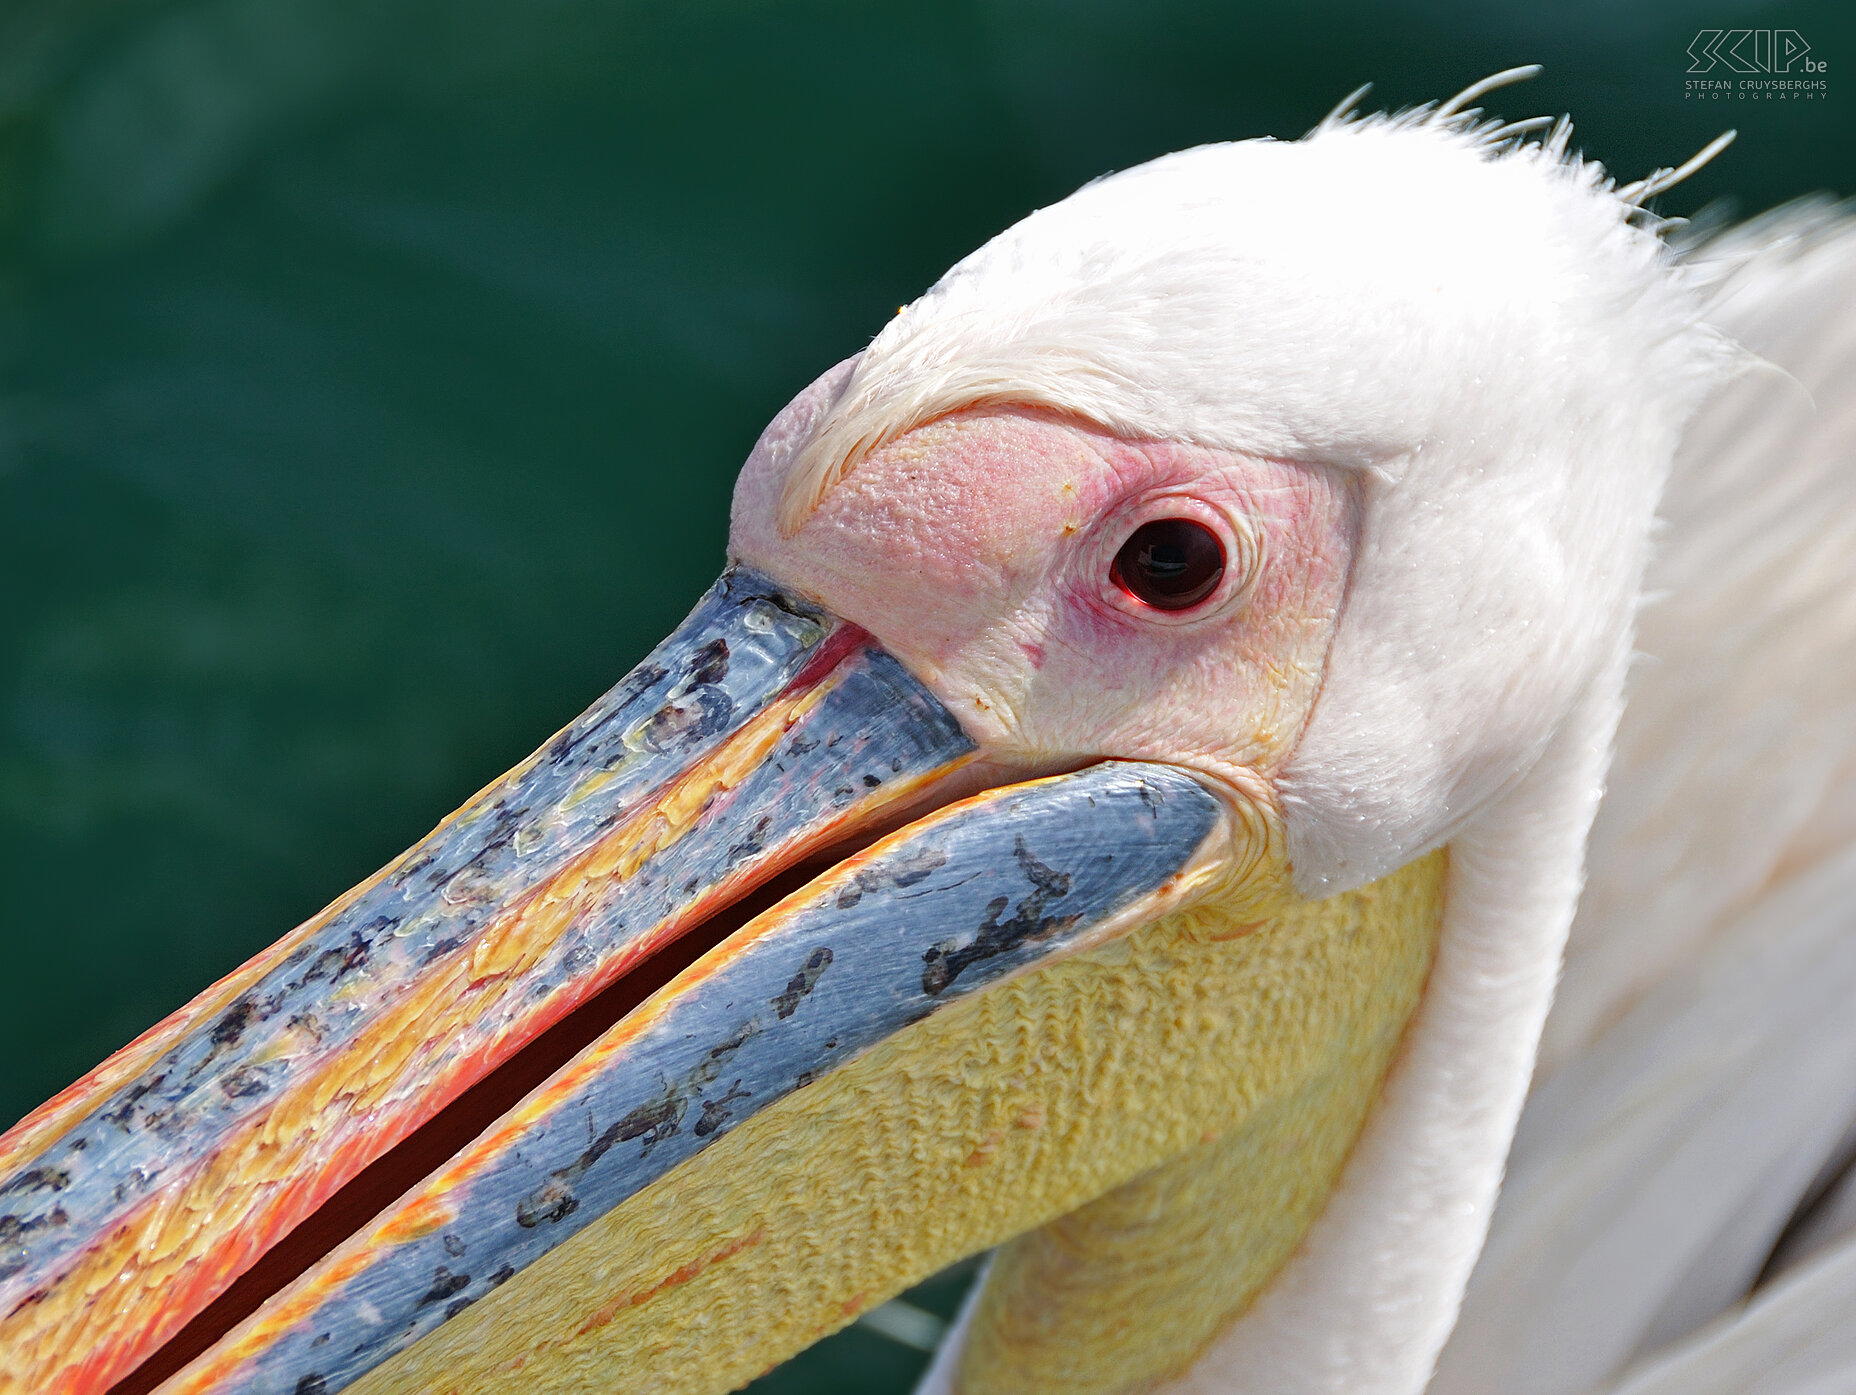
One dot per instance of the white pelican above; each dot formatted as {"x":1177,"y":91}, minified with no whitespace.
{"x":1171,"y":674}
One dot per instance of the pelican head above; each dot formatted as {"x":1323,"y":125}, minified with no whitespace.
{"x":1123,"y":804}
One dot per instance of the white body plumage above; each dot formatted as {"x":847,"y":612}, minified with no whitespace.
{"x":1697,"y":1086}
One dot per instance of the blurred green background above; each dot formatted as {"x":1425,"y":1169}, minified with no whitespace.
{"x":373,"y":374}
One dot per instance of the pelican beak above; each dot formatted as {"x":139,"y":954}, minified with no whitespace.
{"x":559,"y":996}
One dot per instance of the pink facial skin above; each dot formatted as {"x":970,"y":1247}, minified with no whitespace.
{"x":978,"y":548}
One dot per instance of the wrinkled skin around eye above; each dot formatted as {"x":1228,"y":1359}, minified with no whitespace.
{"x":979,"y":549}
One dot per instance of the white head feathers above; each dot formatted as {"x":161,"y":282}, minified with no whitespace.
{"x":1482,"y":323}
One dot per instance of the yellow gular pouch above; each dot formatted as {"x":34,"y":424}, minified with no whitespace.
{"x":1172,"y":1109}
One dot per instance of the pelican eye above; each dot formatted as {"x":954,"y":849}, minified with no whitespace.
{"x":1170,"y":563}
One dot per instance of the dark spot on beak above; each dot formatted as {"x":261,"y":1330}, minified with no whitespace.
{"x":711,"y":1065}
{"x":709,"y":664}
{"x":678,"y":726}
{"x":549,"y":1202}
{"x":453,"y":1246}
{"x":555,"y":1199}
{"x":444,"y":1284}
{"x":125,"y":1112}
{"x":652,"y":1122}
{"x":39,"y":1179}
{"x":602,"y":715}
{"x":312,"y":1384}
{"x":903,"y":870}
{"x":246,"y":1082}
{"x":332,"y":964}
{"x":910,"y":868}
{"x":640,"y":678}
{"x":752,"y":844}
{"x":228,"y":1029}
{"x":945,"y":962}
{"x":716,"y":1113}
{"x":786,"y":1002}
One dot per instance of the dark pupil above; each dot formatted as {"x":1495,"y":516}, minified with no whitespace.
{"x":1171,"y":563}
